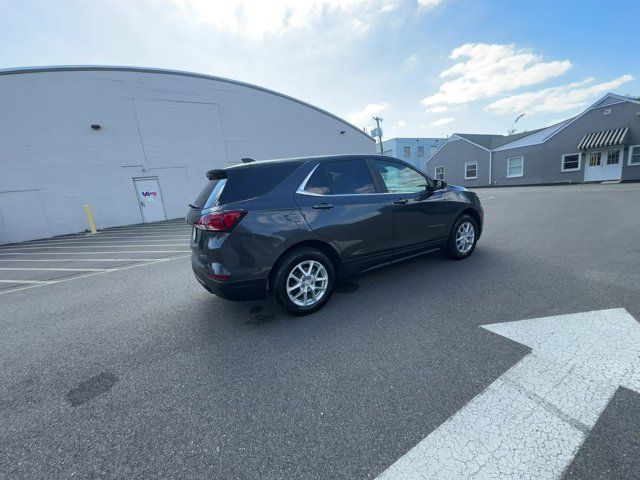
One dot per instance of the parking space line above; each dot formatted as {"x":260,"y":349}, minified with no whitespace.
{"x":168,"y":229}
{"x":94,"y":246}
{"x":82,"y":259}
{"x":140,"y":232}
{"x":180,"y":222}
{"x":112,"y":235}
{"x":92,"y":253}
{"x":31,"y":269}
{"x":53,"y":282}
{"x":98,"y":238}
{"x":133,"y":243}
{"x":36,"y":282}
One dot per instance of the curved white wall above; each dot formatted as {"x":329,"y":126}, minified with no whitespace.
{"x":163,"y":124}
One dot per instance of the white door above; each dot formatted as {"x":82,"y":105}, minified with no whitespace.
{"x":150,"y":199}
{"x":612,"y":165}
{"x":603,"y":165}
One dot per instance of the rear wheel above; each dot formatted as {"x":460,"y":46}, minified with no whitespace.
{"x":463,"y":238}
{"x":304,"y":281}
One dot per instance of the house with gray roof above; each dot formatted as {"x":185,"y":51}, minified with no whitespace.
{"x":600,"y":144}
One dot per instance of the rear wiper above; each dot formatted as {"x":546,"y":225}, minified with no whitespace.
{"x":194,"y":206}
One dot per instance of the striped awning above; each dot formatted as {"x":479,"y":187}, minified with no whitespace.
{"x":607,"y":138}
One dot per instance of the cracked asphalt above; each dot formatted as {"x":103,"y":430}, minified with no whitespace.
{"x":140,"y":373}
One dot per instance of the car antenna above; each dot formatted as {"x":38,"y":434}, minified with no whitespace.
{"x":247,"y":160}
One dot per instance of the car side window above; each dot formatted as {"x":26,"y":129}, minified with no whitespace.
{"x":399,"y":178}
{"x":317,"y":182}
{"x":348,"y":177}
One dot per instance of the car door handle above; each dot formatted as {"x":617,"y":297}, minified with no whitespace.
{"x":400,"y":201}
{"x":323,"y":206}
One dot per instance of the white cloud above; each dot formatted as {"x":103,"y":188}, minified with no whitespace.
{"x":258,"y":18}
{"x":410,"y":63}
{"x":362,"y":117}
{"x":490,"y":70}
{"x":401,"y":123}
{"x":389,"y":6}
{"x":438,"y":109}
{"x":426,"y":4}
{"x":556,"y":99}
{"x":442,"y":121}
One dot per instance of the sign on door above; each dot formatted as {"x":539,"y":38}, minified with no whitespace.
{"x":150,"y":199}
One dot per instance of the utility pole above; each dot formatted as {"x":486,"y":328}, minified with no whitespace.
{"x":378,"y":132}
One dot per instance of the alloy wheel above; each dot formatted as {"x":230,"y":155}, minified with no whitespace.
{"x":465,"y":236}
{"x":307,"y":283}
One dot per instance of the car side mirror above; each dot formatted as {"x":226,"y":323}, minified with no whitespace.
{"x":440,"y":184}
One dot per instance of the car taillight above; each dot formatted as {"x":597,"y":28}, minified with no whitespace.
{"x":219,"y":221}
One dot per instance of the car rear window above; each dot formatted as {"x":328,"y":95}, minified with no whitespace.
{"x":244,"y":183}
{"x":255,"y":181}
{"x":210,"y":193}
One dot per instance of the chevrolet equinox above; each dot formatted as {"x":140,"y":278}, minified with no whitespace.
{"x":295,"y":227}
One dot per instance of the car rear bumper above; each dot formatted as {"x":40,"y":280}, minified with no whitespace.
{"x":253,"y":289}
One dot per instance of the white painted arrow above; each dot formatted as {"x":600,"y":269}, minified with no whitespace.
{"x":531,"y":421}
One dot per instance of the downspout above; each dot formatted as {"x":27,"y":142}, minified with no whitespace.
{"x":490,"y":166}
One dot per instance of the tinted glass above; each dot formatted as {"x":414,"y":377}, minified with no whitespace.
{"x":255,"y":181}
{"x":400,"y":178}
{"x":348,"y":177}
{"x":210,"y":193}
{"x":318,"y":183}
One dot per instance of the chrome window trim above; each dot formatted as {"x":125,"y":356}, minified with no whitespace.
{"x":303,"y":185}
{"x":301,"y":189}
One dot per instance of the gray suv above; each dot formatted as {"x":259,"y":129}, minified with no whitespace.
{"x":295,"y":227}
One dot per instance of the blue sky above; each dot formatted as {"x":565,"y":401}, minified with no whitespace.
{"x":429,"y":67}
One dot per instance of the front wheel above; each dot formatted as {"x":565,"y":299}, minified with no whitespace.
{"x":303,"y":281}
{"x":463,"y":238}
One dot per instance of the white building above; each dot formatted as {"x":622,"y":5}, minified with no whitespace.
{"x":135,"y":143}
{"x":415,"y":151}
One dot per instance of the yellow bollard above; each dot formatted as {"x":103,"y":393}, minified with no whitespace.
{"x":92,"y":222}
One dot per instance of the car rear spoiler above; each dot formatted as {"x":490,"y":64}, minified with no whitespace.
{"x":216,"y":174}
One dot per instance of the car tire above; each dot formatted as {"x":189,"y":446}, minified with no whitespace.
{"x":463,"y":238}
{"x":303,"y":269}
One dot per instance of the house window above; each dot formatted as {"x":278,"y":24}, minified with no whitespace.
{"x":471,"y":170}
{"x":407,"y":151}
{"x":571,"y":162}
{"x":434,"y":149}
{"x":388,"y":153}
{"x":634,"y":155}
{"x":421,"y":151}
{"x":439,"y":172}
{"x":613,"y":157}
{"x":515,"y":167}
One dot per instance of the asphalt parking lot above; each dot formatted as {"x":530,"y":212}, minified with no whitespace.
{"x":140,"y":373}
{"x":44,"y":262}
